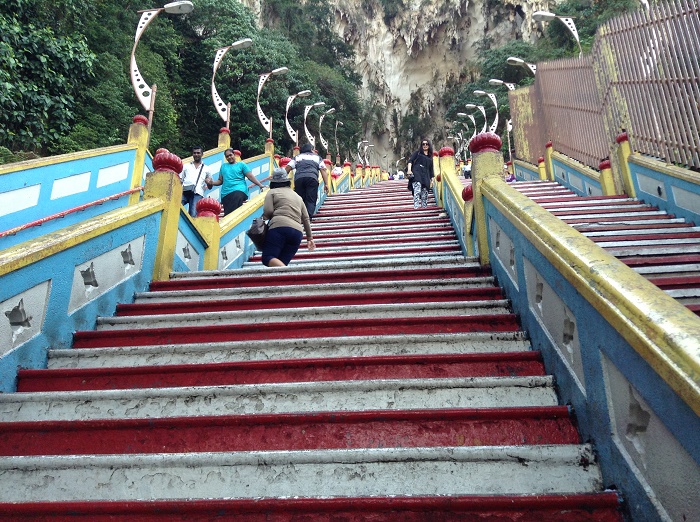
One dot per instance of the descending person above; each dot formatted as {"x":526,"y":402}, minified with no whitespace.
{"x":420,"y":173}
{"x":193,"y":177}
{"x":308,"y":165}
{"x":233,"y":177}
{"x":288,"y":216}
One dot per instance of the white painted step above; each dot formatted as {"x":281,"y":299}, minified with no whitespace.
{"x":313,"y":313}
{"x":276,"y":349}
{"x":389,"y":394}
{"x":505,"y":470}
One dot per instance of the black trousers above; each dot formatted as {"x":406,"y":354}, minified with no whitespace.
{"x":233,"y":200}
{"x":307,"y":188}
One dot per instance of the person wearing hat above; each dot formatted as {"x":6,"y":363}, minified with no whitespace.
{"x":308,"y":165}
{"x":288,"y":216}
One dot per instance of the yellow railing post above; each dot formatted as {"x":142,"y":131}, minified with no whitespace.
{"x":138,"y":135}
{"x":446,"y":162}
{"x":540,"y":168}
{"x":549,"y":167}
{"x":207,"y":222}
{"x":487,"y":162}
{"x":623,"y":155}
{"x":224,"y":138}
{"x":164,"y":183}
{"x":606,"y":178}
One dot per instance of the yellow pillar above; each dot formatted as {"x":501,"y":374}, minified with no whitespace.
{"x":447,"y":168}
{"x":487,"y":162}
{"x":164,"y":183}
{"x":138,"y":135}
{"x":549,"y":168}
{"x":224,"y":138}
{"x":623,"y":155}
{"x":207,"y":222}
{"x":540,"y":168}
{"x":606,"y":178}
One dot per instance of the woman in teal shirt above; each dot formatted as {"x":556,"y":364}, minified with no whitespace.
{"x":233,"y":178}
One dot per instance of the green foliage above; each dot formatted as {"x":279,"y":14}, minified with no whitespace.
{"x":42,"y":67}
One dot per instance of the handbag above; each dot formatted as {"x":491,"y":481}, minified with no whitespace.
{"x":257,"y":232}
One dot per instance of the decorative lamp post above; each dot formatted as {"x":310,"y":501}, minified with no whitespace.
{"x":492,"y":97}
{"x":546,"y":16}
{"x":320,"y":121}
{"x":307,"y":108}
{"x":264,"y":120}
{"x":145,"y":94}
{"x":294,"y":135}
{"x":512,"y":60}
{"x":471,"y":117}
{"x":366,"y":154}
{"x":224,"y":110}
{"x":509,"y":86}
{"x":483,"y":113}
{"x":337,"y":149}
{"x":359,"y":146}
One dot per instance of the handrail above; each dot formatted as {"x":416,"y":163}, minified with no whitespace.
{"x":669,"y":338}
{"x":39,"y":222}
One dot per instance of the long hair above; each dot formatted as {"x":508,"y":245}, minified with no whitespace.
{"x":430,"y":147}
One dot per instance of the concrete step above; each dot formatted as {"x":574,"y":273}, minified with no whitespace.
{"x":295,"y":370}
{"x":325,"y":473}
{"x":296,"y":431}
{"x":358,"y":395}
{"x":303,"y":348}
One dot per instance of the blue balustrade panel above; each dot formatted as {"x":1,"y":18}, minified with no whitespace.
{"x":32,"y":194}
{"x":576,"y":180}
{"x":678,"y":195}
{"x":189,"y":246}
{"x":46,"y":301}
{"x":525,"y":172}
{"x":235,"y":246}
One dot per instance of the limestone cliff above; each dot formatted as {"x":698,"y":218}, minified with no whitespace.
{"x":406,"y":64}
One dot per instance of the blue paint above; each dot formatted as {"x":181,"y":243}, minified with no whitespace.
{"x":526,"y":172}
{"x":45,"y":177}
{"x":668,"y":183}
{"x":564,"y":174}
{"x":197,"y":243}
{"x":58,"y":326}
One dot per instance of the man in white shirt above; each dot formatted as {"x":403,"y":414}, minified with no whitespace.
{"x":193,"y":178}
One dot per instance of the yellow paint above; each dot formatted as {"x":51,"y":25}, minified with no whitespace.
{"x":209,"y":229}
{"x":224,"y":140}
{"x":548,"y":152}
{"x":446,"y":169}
{"x":664,"y":168}
{"x":34,"y":250}
{"x":167,"y":187}
{"x":623,"y":155}
{"x":138,"y":136}
{"x":664,"y":332}
{"x":63,"y":158}
{"x":485,"y":166}
{"x":452,"y":183}
{"x":542,"y":169}
{"x":606,"y":182}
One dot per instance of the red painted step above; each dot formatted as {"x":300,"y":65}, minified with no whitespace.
{"x":646,"y":237}
{"x":677,"y":282}
{"x":663,"y":260}
{"x":377,"y":241}
{"x":297,"y":279}
{"x":320,"y":254}
{"x":296,"y":330}
{"x":230,"y":305}
{"x":298,"y":370}
{"x":298,"y":431}
{"x":594,"y":507}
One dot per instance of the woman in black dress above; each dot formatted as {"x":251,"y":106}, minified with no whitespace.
{"x":420,"y":173}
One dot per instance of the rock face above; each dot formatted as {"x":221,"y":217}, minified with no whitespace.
{"x":406,"y":61}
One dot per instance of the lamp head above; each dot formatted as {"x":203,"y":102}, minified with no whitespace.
{"x":242,"y":44}
{"x":331,"y":110}
{"x":471,"y":106}
{"x":182,"y":7}
{"x":462,"y":114}
{"x":512,"y":60}
{"x":480,"y":92}
{"x":279,"y":70}
{"x":304,"y":94}
{"x":543,"y":16}
{"x":318,"y":104}
{"x":339,"y":123}
{"x":494,"y":81}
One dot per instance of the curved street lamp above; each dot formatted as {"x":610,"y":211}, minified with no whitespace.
{"x":546,"y":16}
{"x":359,"y":146}
{"x":492,"y":97}
{"x":513,"y":60}
{"x":294,"y":135}
{"x":509,"y":86}
{"x":337,"y":149}
{"x":264,"y":120}
{"x":145,"y":94}
{"x":367,"y":147}
{"x":307,"y":108}
{"x":320,"y":121}
{"x":483,"y":113}
{"x":224,"y":110}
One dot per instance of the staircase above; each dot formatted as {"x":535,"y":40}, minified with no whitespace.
{"x":661,"y":247}
{"x":381,"y":377}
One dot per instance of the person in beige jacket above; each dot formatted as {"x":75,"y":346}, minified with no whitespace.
{"x":287,"y":217}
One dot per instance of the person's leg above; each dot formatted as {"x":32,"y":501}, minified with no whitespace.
{"x":187,"y":201}
{"x":307,"y":188}
{"x":293,"y":239}
{"x":232,"y":201}
{"x":193,"y":205}
{"x":416,"y":194}
{"x":275,"y":240}
{"x":424,"y":197}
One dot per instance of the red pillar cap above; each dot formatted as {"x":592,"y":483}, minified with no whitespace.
{"x":622,"y":137}
{"x":140,"y":118}
{"x":165,"y":161}
{"x":540,"y":159}
{"x":485,"y":142}
{"x":224,"y":130}
{"x":446,"y":151}
{"x":604,"y":164}
{"x":549,"y":144}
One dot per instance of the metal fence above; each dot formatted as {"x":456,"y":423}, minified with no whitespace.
{"x":642,"y":76}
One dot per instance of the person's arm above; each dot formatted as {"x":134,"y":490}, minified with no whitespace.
{"x":211,"y":183}
{"x":252,"y":178}
{"x":324,"y":175}
{"x":409,"y":165}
